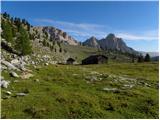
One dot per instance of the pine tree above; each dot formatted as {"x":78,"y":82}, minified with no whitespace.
{"x":147,"y":58}
{"x":23,"y":43}
{"x":140,"y":59}
{"x":44,"y":42}
{"x":7,"y":31}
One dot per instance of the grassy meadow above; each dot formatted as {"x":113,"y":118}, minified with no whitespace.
{"x":113,"y":90}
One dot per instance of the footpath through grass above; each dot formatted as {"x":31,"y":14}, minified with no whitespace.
{"x":76,"y":91}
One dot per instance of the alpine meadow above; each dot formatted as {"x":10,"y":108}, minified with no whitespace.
{"x":79,"y":60}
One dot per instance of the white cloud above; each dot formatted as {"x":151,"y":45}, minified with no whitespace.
{"x":129,"y":36}
{"x":83,"y":31}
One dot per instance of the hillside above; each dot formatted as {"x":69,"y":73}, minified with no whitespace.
{"x":53,"y":42}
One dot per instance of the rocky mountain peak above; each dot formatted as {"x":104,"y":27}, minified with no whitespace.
{"x":57,"y":34}
{"x":92,"y":42}
{"x":110,"y":36}
{"x":110,"y":42}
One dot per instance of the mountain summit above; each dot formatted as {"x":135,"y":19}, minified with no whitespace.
{"x":92,"y":42}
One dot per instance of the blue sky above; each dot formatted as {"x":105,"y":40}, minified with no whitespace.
{"x":135,"y":22}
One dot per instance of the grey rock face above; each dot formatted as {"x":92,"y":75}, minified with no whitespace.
{"x":57,"y":35}
{"x":111,"y":42}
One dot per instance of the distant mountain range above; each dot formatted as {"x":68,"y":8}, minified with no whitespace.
{"x":111,"y":42}
{"x":152,"y":54}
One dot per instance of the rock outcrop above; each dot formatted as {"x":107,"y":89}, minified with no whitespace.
{"x":92,"y":42}
{"x":111,"y":42}
{"x":55,"y":34}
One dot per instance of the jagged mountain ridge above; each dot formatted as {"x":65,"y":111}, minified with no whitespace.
{"x":111,"y":42}
{"x":57,"y":35}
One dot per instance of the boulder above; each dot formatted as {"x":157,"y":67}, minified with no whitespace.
{"x":4,"y":83}
{"x":15,"y":62}
{"x":9,"y":65}
{"x":13,"y":74}
{"x":8,"y":92}
{"x":46,"y":64}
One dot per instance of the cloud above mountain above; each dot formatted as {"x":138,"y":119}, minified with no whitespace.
{"x":82,"y":31}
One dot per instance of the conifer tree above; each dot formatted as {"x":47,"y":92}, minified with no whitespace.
{"x":23,"y":43}
{"x":147,"y":58}
{"x":7,"y":31}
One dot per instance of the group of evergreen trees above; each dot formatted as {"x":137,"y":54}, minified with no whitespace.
{"x":14,"y":32}
{"x":144,"y":59}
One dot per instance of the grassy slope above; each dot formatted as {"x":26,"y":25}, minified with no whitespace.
{"x":63,"y":92}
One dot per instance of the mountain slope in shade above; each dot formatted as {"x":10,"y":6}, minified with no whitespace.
{"x":92,"y":42}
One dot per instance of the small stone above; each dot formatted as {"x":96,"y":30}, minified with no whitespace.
{"x":110,"y":89}
{"x":36,"y":80}
{"x":21,"y":94}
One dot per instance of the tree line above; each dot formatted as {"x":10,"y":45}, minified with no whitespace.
{"x":16,"y":32}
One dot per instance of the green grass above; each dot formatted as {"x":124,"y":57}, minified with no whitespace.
{"x":64,"y":92}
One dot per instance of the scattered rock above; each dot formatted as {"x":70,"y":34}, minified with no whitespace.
{"x":13,"y":74}
{"x":8,"y":92}
{"x":46,"y":64}
{"x":146,"y":84}
{"x":15,"y":62}
{"x":21,"y":94}
{"x":110,"y":89}
{"x":26,"y":75}
{"x":128,"y":86}
{"x":91,"y":78}
{"x":36,"y":80}
{"x":4,"y":83}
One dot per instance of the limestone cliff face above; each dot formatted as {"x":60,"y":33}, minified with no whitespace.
{"x":111,"y":42}
{"x":57,"y":35}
